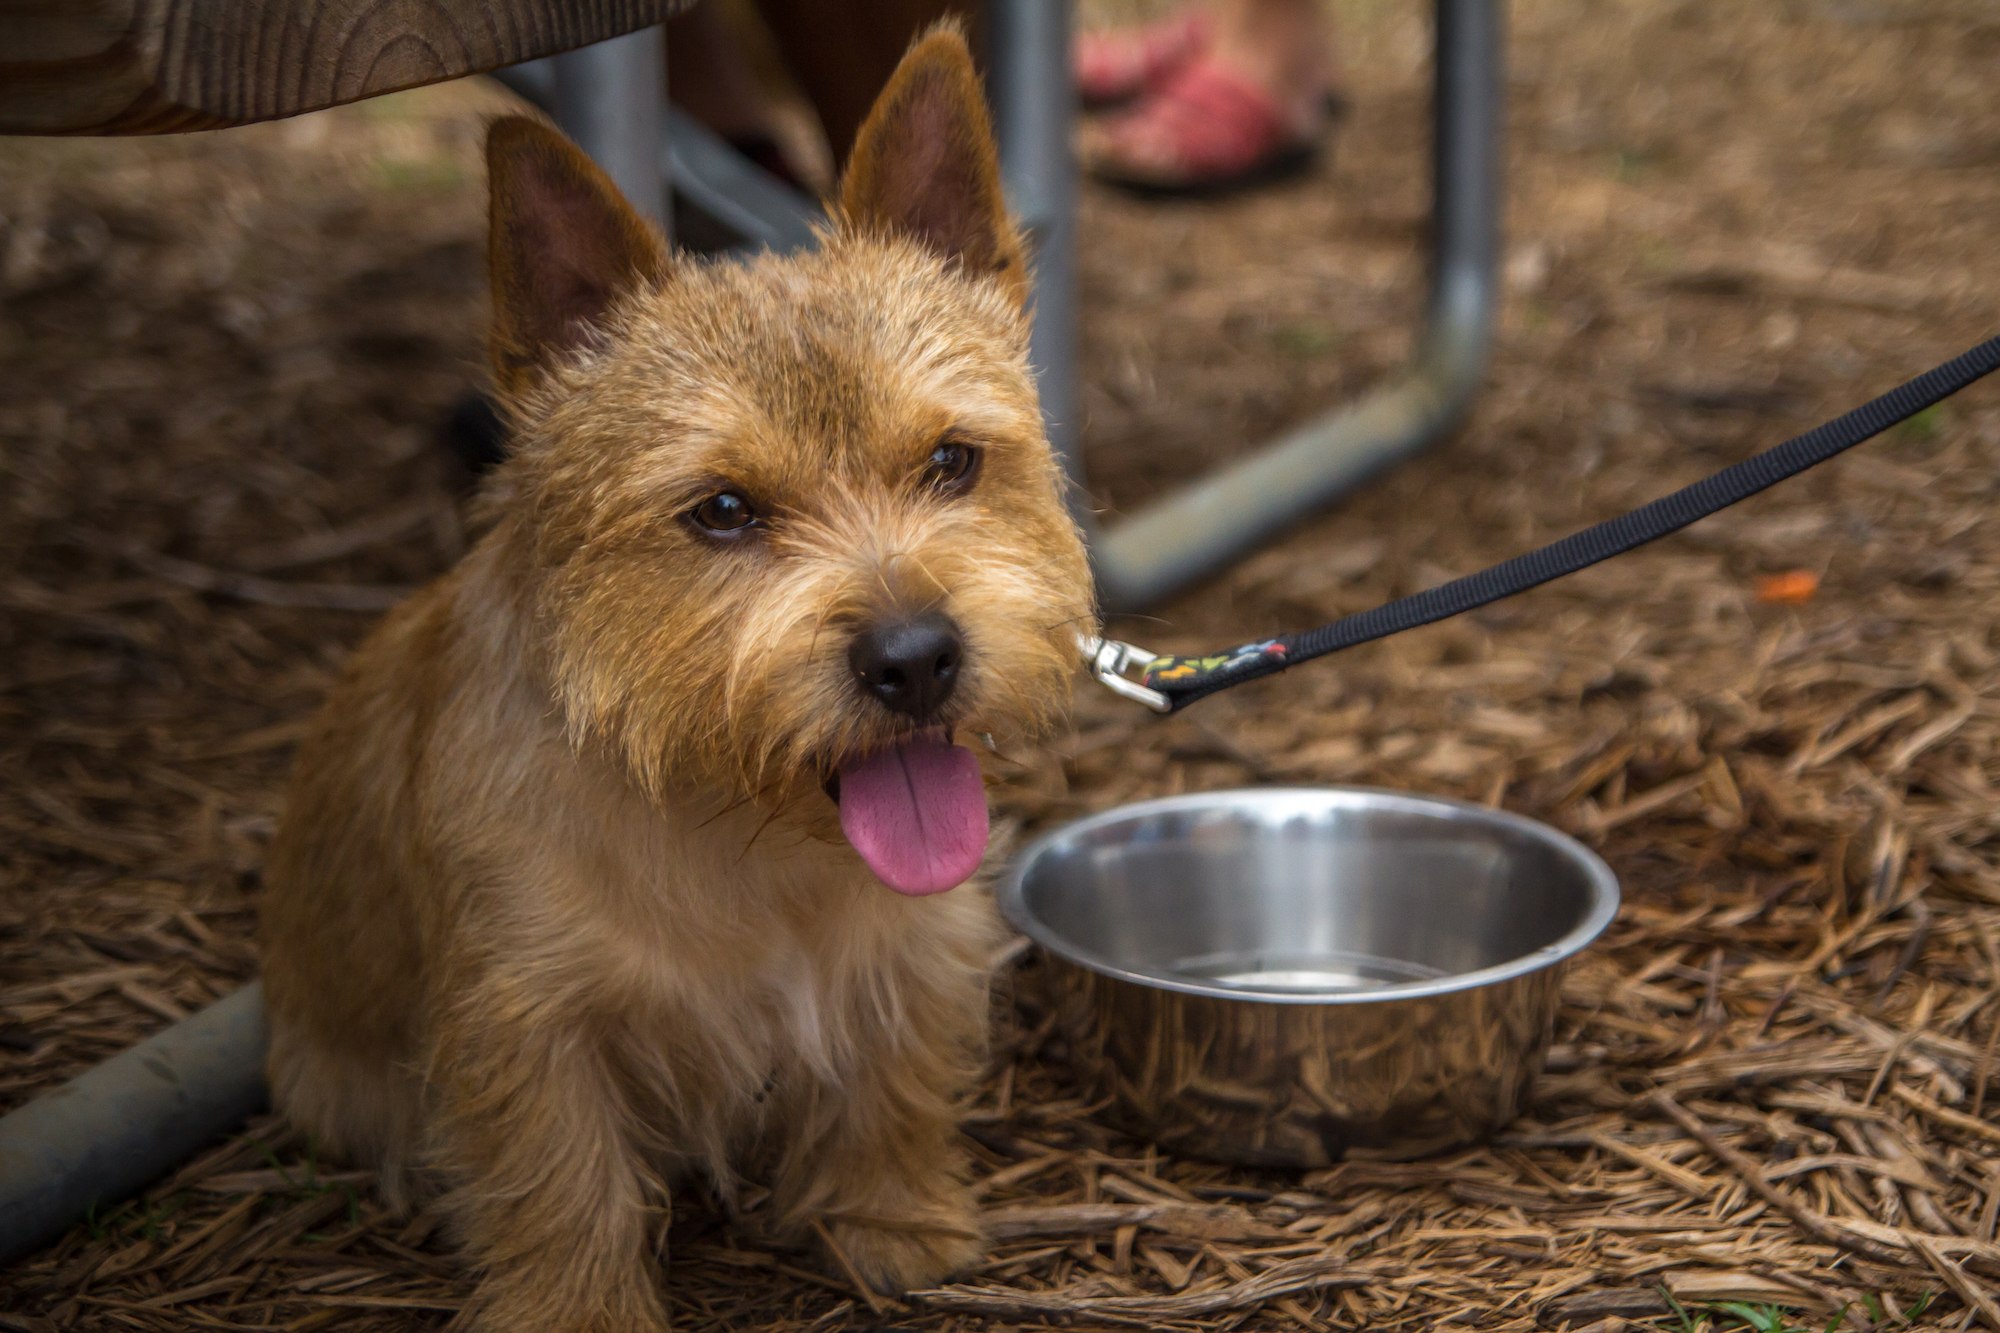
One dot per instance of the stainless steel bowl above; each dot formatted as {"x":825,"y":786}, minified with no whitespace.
{"x":1273,"y":976}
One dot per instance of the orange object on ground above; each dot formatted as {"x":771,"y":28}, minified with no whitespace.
{"x":1794,"y":587}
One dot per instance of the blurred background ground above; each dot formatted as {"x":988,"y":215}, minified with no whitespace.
{"x":222,"y":362}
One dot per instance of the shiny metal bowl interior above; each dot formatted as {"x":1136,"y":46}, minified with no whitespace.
{"x":1371,"y":967}
{"x":1310,"y":895}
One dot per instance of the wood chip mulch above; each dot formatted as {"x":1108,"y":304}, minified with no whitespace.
{"x":1776,"y":1081}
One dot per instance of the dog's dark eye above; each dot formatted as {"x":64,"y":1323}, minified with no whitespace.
{"x":952,"y":466}
{"x":725,"y":514}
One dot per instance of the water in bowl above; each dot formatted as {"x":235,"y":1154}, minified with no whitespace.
{"x":1334,"y":970}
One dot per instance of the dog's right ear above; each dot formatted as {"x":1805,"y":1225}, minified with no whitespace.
{"x":563,"y":247}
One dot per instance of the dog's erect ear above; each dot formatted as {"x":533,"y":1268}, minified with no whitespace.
{"x":564,"y":245}
{"x":925,"y":164}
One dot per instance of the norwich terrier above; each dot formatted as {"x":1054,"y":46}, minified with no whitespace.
{"x":611,"y":859}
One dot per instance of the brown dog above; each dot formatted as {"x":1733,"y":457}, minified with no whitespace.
{"x":611,"y":858}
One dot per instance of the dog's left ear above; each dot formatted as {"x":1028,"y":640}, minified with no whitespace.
{"x":925,"y":163}
{"x":564,"y":247}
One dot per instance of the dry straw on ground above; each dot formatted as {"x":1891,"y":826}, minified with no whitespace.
{"x":1777,"y":1081}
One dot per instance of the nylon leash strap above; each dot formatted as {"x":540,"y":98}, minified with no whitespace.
{"x":1167,"y":684}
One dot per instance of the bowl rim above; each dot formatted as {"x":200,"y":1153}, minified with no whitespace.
{"x":1601,"y":881}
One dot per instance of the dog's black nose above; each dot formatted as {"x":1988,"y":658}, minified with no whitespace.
{"x":910,"y":665}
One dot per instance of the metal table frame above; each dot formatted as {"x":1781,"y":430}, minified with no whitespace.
{"x":1195,"y":531}
{"x":107,"y":1133}
{"x":1184,"y":536}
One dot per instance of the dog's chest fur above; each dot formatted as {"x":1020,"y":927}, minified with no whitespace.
{"x":808,"y":969}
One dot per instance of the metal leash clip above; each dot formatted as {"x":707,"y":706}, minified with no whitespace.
{"x":1109,"y":659}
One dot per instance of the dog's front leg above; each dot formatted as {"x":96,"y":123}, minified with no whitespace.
{"x":554,"y":1201}
{"x":876,"y":1161}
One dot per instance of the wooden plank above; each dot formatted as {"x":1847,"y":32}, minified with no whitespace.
{"x":156,"y":66}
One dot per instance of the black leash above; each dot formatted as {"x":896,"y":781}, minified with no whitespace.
{"x":1168,"y":684}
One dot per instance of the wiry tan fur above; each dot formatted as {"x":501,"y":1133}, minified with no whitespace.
{"x":558,"y":912}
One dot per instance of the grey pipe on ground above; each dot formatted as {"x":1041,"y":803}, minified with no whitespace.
{"x":114,"y":1129}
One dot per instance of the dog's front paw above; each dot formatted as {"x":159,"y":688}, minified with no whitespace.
{"x":895,"y":1255}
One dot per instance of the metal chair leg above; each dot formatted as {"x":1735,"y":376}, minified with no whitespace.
{"x":688,"y":158}
{"x":608,"y":98}
{"x":1034,"y":115}
{"x":1197,"y":530}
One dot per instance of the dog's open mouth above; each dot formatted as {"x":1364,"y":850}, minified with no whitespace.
{"x":915,"y":810}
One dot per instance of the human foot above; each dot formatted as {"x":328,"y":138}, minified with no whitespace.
{"x":1122,"y":63}
{"x":1208,"y":127}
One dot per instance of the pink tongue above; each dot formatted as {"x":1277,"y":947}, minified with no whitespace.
{"x":917,"y":814}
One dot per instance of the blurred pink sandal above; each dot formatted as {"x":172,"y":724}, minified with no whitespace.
{"x":1205,"y":129}
{"x":1119,"y":65}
